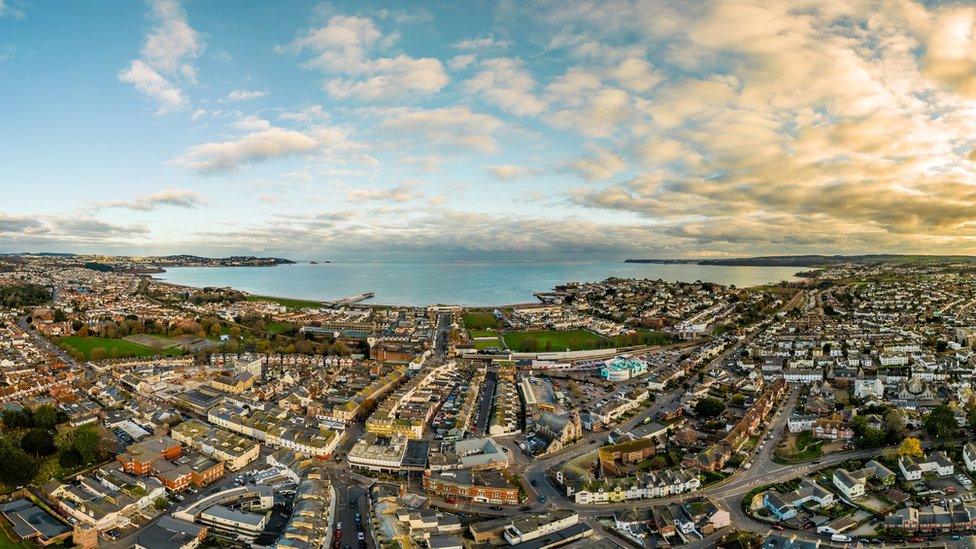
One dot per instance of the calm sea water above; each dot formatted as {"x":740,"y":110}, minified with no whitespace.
{"x":461,"y":282}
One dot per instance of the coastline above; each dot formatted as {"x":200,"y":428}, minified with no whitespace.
{"x":482,"y":284}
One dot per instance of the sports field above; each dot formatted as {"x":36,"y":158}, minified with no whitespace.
{"x":555,"y":340}
{"x":114,"y":348}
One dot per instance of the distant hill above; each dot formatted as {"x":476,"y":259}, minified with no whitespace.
{"x":815,"y":260}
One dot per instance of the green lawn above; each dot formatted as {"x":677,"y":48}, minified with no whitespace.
{"x":642,"y":337}
{"x":801,"y":447}
{"x":487,"y":343}
{"x":555,"y":340}
{"x":5,"y":542}
{"x":480,"y":321}
{"x":287,"y":301}
{"x":274,"y":327}
{"x":125,"y":349}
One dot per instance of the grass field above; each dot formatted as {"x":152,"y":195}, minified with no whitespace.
{"x":487,"y":343}
{"x":124,"y":349}
{"x":555,"y":340}
{"x":480,"y":321}
{"x":287,"y":302}
{"x":642,"y":337}
{"x":154,"y":341}
{"x":275,"y":327}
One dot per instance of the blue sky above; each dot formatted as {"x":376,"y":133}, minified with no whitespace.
{"x":578,"y":128}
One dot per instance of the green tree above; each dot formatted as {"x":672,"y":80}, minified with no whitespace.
{"x":16,"y":467}
{"x":941,"y":422}
{"x":38,"y":442}
{"x":86,"y":442}
{"x":709,"y":407}
{"x":895,"y":424}
{"x":45,"y":417}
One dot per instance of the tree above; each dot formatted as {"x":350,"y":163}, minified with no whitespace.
{"x":16,"y":467}
{"x":38,"y":442}
{"x":709,"y":407}
{"x":18,"y":419}
{"x":911,"y":447}
{"x":45,"y":417}
{"x":98,"y":353}
{"x":215,"y":331}
{"x":86,"y":442}
{"x":895,"y":422}
{"x":941,"y":422}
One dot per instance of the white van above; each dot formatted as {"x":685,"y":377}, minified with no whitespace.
{"x":839,"y":537}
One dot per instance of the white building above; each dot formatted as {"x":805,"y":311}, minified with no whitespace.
{"x":865,"y":388}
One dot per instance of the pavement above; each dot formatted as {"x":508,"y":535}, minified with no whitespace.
{"x":347,"y":490}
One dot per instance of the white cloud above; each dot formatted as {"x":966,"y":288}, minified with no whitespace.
{"x":6,"y":10}
{"x":252,"y":123}
{"x":179,"y":198}
{"x":452,"y":126}
{"x":266,"y":142}
{"x":246,"y":95}
{"x":509,"y":172}
{"x":167,"y":56}
{"x":636,"y":75}
{"x":459,"y":62}
{"x":600,"y":165}
{"x":229,"y":155}
{"x":168,"y":97}
{"x":395,"y":194}
{"x":482,"y":43}
{"x":172,"y":44}
{"x":346,"y":46}
{"x":504,"y":82}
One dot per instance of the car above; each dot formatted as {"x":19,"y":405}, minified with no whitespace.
{"x":360,"y":536}
{"x":338,"y":526}
{"x":542,"y":499}
{"x":916,"y":539}
{"x":778,"y":527}
{"x":358,"y":518}
{"x":534,"y":482}
{"x":496,"y":507}
{"x":352,"y":504}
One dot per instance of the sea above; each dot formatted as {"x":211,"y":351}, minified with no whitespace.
{"x":475,"y":283}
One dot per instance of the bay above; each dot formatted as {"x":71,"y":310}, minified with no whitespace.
{"x":460,"y":282}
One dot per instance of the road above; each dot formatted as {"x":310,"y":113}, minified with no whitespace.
{"x":43,"y":343}
{"x":348,"y":490}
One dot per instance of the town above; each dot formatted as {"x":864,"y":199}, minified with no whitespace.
{"x":830,"y":411}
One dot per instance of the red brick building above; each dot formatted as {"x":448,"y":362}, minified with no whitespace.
{"x":488,"y":486}
{"x":139,"y":457}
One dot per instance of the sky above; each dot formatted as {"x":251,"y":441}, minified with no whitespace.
{"x":564,"y":128}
